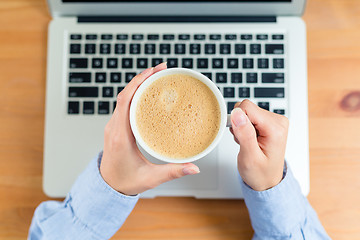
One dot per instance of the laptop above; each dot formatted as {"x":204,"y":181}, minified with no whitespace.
{"x":251,"y":50}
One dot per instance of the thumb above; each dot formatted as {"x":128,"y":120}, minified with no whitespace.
{"x":170,"y":171}
{"x":243,"y":130}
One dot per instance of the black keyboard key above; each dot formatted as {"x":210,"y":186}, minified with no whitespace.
{"x":129,"y":76}
{"x":273,"y":78}
{"x":274,"y":49}
{"x":184,"y":36}
{"x":75,"y":48}
{"x":153,"y":37}
{"x":122,"y":37}
{"x":208,"y":75}
{"x":215,"y":37}
{"x":83,"y":92}
{"x":114,"y":105}
{"x":251,"y":77}
{"x":172,"y":62}
{"x":150,"y":48}
{"x":277,"y":36}
{"x":156,"y":61}
{"x":210,"y":48}
{"x":127,"y":63}
{"x":240,"y":48}
{"x":264,"y":105}
{"x":103,"y":107}
{"x":244,"y":92}
{"x":73,"y":107}
{"x":168,"y":37}
{"x":230,"y":106}
{"x":97,"y":63}
{"x":187,"y":63}
{"x":115,"y":77}
{"x":233,"y":63}
{"x":269,"y":92}
{"x":142,"y":63}
{"x":90,"y":48}
{"x":202,"y":63}
{"x":105,"y":48}
{"x":225,"y":49}
{"x":75,"y":36}
{"x":106,"y":36}
{"x":262,"y":37}
{"x":278,"y":63}
{"x":137,"y":37}
{"x":108,"y":92}
{"x":79,"y":77}
{"x":195,"y":49}
{"x":135,"y":48}
{"x":217,"y":63}
{"x":229,"y":92}
{"x":230,"y":37}
{"x":248,"y":63}
{"x":112,"y":63}
{"x":78,"y":62}
{"x":100,"y":77}
{"x":120,"y":48}
{"x":221,"y":77}
{"x":199,"y":37}
{"x":180,"y":48}
{"x":255,"y":48}
{"x":236,"y":77}
{"x":91,"y":36}
{"x":120,"y":89}
{"x":279,"y":111}
{"x":263,"y":63}
{"x":246,"y":37}
{"x":88,"y":107}
{"x":165,"y":48}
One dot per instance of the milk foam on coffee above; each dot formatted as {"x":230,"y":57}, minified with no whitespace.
{"x":178,"y":116}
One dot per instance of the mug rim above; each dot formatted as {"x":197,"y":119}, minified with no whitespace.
{"x":172,"y":71}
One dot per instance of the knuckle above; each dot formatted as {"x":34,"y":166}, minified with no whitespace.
{"x":246,"y":103}
{"x":173,"y":174}
{"x":107,"y":130}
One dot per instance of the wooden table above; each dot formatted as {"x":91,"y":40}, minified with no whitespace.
{"x":334,"y":72}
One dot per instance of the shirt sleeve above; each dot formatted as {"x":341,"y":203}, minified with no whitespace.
{"x":92,"y":210}
{"x":282,"y":212}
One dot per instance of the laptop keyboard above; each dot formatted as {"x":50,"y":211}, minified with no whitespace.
{"x":242,"y":65}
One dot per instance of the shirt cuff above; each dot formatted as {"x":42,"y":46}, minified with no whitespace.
{"x":98,"y":206}
{"x":276,"y":211}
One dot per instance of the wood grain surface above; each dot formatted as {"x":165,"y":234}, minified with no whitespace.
{"x":334,"y":107}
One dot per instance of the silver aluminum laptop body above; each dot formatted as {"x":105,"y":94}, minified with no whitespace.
{"x":72,"y":141}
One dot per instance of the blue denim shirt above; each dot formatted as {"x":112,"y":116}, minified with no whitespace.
{"x":93,"y":210}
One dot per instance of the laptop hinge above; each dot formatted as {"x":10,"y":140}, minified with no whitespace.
{"x":176,"y":19}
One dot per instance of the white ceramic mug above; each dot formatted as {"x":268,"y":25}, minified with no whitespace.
{"x":224,"y":121}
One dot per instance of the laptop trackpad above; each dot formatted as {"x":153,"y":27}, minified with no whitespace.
{"x":207,"y":179}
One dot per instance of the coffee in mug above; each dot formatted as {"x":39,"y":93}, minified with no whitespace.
{"x":178,"y":116}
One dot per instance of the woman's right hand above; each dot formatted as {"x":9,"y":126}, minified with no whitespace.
{"x":262,"y":136}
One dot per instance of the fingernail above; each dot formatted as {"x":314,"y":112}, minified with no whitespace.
{"x":238,"y":117}
{"x":146,"y":71}
{"x":191,"y":170}
{"x":161,"y":64}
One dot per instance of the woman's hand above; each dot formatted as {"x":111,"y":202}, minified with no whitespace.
{"x":123,"y":166}
{"x":262,"y":137}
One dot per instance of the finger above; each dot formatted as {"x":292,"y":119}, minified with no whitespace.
{"x":260,"y":118}
{"x":244,"y":131}
{"x":161,"y":66}
{"x":133,"y":85}
{"x":232,"y":132}
{"x":166,"y":172}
